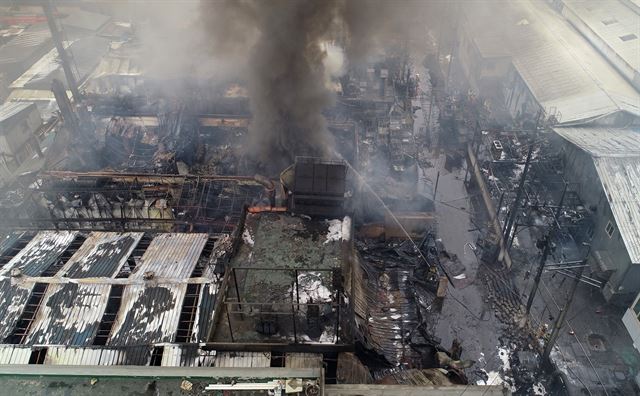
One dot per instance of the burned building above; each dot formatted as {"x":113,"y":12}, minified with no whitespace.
{"x":104,"y":298}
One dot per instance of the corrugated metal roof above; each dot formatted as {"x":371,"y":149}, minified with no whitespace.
{"x":12,"y":301}
{"x":604,"y":141}
{"x":9,"y":110}
{"x":117,"y":66}
{"x":303,"y":360}
{"x":565,"y":74}
{"x":72,"y":356}
{"x":69,"y":314}
{"x":101,"y":255}
{"x":42,"y":251}
{"x":34,"y":95}
{"x":24,"y":45}
{"x":620,"y":178}
{"x":69,"y":355}
{"x":204,"y":314}
{"x":86,"y":53}
{"x":610,"y":20}
{"x":14,"y":354}
{"x":193,"y":356}
{"x":130,"y":356}
{"x":7,"y":241}
{"x":187,"y":356}
{"x":149,"y":314}
{"x":242,"y":359}
{"x":171,"y":256}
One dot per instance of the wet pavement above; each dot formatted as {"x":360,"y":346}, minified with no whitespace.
{"x":593,"y":349}
{"x":466,"y":315}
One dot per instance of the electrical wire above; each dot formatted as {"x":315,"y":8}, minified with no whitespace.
{"x":544,"y":286}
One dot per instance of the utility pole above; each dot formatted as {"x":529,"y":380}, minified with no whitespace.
{"x":475,"y":143}
{"x":563,"y":314}
{"x":516,"y":203}
{"x":545,"y":253}
{"x":64,"y":57}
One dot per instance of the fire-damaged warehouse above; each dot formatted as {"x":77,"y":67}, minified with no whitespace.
{"x":319,"y":198}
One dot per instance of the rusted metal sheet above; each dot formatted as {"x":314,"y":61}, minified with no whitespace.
{"x":171,"y":256}
{"x":148,"y":315}
{"x":69,"y":315}
{"x":101,"y":255}
{"x":42,"y":251}
{"x":12,"y":301}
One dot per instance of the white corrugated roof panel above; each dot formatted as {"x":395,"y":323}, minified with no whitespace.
{"x":72,"y":356}
{"x":20,"y":355}
{"x":242,"y":359}
{"x":171,"y":256}
{"x":620,"y":178}
{"x":604,"y":141}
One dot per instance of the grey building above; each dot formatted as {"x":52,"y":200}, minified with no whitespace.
{"x":612,"y":27}
{"x":605,"y":162}
{"x":524,"y":57}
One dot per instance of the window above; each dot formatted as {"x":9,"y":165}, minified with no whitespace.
{"x":628,"y":37}
{"x":609,"y":21}
{"x":609,"y":229}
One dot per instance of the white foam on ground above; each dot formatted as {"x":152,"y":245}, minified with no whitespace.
{"x":539,"y":390}
{"x":247,"y":237}
{"x":335,"y":231}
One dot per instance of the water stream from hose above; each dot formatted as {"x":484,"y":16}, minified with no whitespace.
{"x":386,"y":208}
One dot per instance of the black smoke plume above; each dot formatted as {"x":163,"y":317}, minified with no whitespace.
{"x":286,"y":73}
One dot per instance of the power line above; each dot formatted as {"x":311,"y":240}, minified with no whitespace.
{"x":544,"y":285}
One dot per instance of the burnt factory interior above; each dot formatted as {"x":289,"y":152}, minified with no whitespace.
{"x":320,"y":197}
